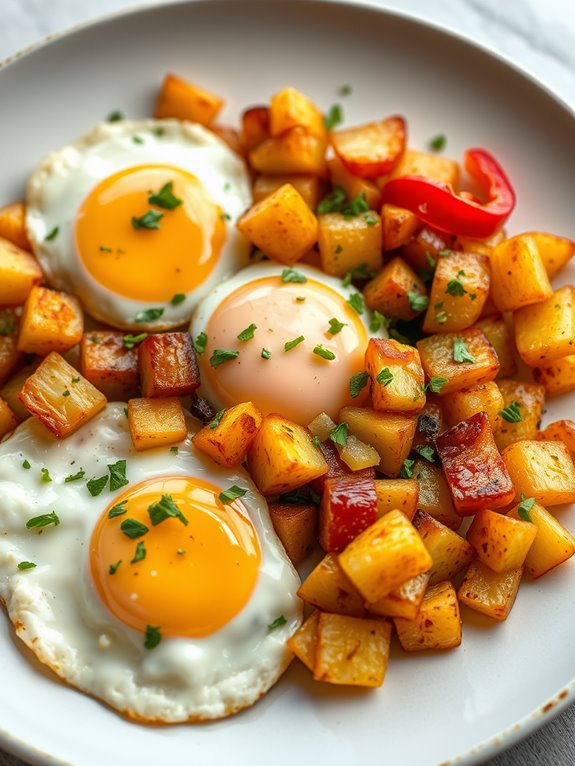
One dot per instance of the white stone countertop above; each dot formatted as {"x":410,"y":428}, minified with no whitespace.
{"x":537,"y":35}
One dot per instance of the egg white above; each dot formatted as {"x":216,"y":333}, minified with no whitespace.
{"x":60,"y":183}
{"x":55,"y":607}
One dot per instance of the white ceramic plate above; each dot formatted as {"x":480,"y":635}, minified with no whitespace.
{"x":457,"y":707}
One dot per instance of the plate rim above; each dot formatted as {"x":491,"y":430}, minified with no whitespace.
{"x":563,"y":698}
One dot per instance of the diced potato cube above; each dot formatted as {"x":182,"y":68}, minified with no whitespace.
{"x":558,"y":377}
{"x":458,"y":292}
{"x":389,"y":433}
{"x":227,"y":440}
{"x":255,"y":127}
{"x":347,"y":243}
{"x":403,"y":601}
{"x":19,"y":273}
{"x":485,"y":397}
{"x":553,"y":543}
{"x":51,"y":321}
{"x":373,"y":149}
{"x":499,"y":335}
{"x":357,"y":455}
{"x":353,"y":185}
{"x":427,"y":242}
{"x":397,"y":494}
{"x":351,"y":651}
{"x":384,"y":556}
{"x":281,"y":225}
{"x":60,"y":397}
{"x":530,"y":399}
{"x":432,"y":166}
{"x":543,"y":470}
{"x":10,"y":357}
{"x":474,"y":469}
{"x":501,"y":542}
{"x":396,"y":376}
{"x":168,"y":365}
{"x":336,"y":467}
{"x":10,"y":391}
{"x":282,"y":456}
{"x":399,"y":226}
{"x":348,"y":506}
{"x":439,"y":354}
{"x":450,"y":552}
{"x":310,"y":187}
{"x":229,"y":136}
{"x":296,"y":526}
{"x":389,"y":291}
{"x":430,"y":423}
{"x":438,"y":624}
{"x":184,"y":101}
{"x":290,"y":108}
{"x":555,"y":251}
{"x":329,"y":589}
{"x":303,"y":643}
{"x":545,"y":331}
{"x":491,"y":593}
{"x":295,"y":151}
{"x":156,"y":422}
{"x":13,"y":225}
{"x":561,"y":431}
{"x":481,"y":246}
{"x":8,"y":420}
{"x":109,"y":365}
{"x":434,"y":494}
{"x":518,"y":276}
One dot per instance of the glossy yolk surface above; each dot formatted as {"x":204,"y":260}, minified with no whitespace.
{"x":297,"y":383}
{"x":195,"y":577}
{"x":149,"y":264}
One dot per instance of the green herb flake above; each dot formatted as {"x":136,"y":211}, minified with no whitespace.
{"x":277,"y":623}
{"x":300,"y":496}
{"x":52,"y":235}
{"x":338,"y":434}
{"x":152,"y":637}
{"x":377,"y":321}
{"x":113,"y":568}
{"x":430,"y":260}
{"x":441,"y":317}
{"x":76,"y":380}
{"x":248,"y":333}
{"x":407,"y":469}
{"x":165,"y":198}
{"x":385,"y":377}
{"x":356,"y":206}
{"x":96,"y":486}
{"x":436,"y":384}
{"x":455,"y":288}
{"x":437,"y":143}
{"x":130,"y":341}
{"x":26,"y":464}
{"x":45,"y":520}
{"x":444,"y":253}
{"x":140,"y":553}
{"x":334,"y":117}
{"x":266,"y":353}
{"x":137,"y":139}
{"x":118,"y":475}
{"x":231,"y":494}
{"x":335,"y":326}
{"x":524,"y":507}
{"x":66,"y":392}
{"x":333,"y":202}
{"x":115,"y":116}
{"x":26,"y":565}
{"x":426,"y":451}
{"x":371,"y":219}
{"x":6,"y":326}
{"x":512,"y":413}
{"x":357,"y":383}
{"x":324,"y":353}
{"x":75,"y":476}
{"x":291,"y":275}
{"x":148,"y":315}
{"x":104,"y":249}
{"x":217,"y":418}
{"x":177,"y":299}
{"x":181,"y":552}
{"x":222,"y":355}
{"x":118,"y":510}
{"x":225,"y":217}
{"x":133,"y":528}
{"x":460,"y":352}
{"x":417,"y":302}
{"x":46,"y":478}
{"x":200,"y":343}
{"x":355,"y":300}
{"x":316,"y":441}
{"x":288,"y":345}
{"x":150,"y":220}
{"x":164,"y":509}
{"x":344,"y":90}
{"x":174,"y":450}
{"x":300,"y":299}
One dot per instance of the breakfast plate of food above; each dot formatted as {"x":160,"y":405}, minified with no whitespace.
{"x":287,"y":373}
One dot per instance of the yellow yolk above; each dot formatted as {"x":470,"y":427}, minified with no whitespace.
{"x":195,"y":577}
{"x":149,"y":264}
{"x":296,"y":383}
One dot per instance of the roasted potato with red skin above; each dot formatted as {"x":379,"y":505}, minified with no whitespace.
{"x":474,"y":469}
{"x":329,"y":589}
{"x":156,"y":422}
{"x":348,"y":506}
{"x":184,"y":101}
{"x":168,"y":365}
{"x":10,"y":357}
{"x":109,"y":365}
{"x":500,"y":541}
{"x":296,"y":526}
{"x":491,"y":593}
{"x":450,"y":552}
{"x":438,"y":624}
{"x":373,"y":149}
{"x":227,"y":441}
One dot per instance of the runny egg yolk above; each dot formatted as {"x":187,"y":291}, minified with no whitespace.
{"x":298,"y":382}
{"x":191,"y":578}
{"x":118,"y":248}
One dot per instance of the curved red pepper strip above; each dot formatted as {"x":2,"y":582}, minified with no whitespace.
{"x":439,"y":206}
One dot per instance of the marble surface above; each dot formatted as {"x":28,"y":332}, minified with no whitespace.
{"x":537,"y":36}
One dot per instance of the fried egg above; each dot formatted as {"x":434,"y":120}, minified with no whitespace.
{"x":303,"y":335}
{"x":165,"y":615}
{"x":138,"y":220}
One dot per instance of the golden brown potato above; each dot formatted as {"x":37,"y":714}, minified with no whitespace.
{"x":109,"y":365}
{"x":184,"y":101}
{"x":521,"y":412}
{"x":450,"y":552}
{"x":403,"y":601}
{"x":553,"y":543}
{"x":434,"y":494}
{"x":438,"y":624}
{"x":518,"y":276}
{"x":296,"y":527}
{"x":289,"y":109}
{"x":500,"y":336}
{"x":10,"y":391}
{"x":353,"y":185}
{"x":156,"y":422}
{"x":485,"y":397}
{"x":227,"y":438}
{"x":19,"y":273}
{"x":168,"y":365}
{"x":399,"y":226}
{"x":51,"y":321}
{"x":545,"y":331}
{"x":10,"y":357}
{"x":501,"y":542}
{"x":348,"y":243}
{"x":13,"y":225}
{"x":8,"y":420}
{"x":255,"y":127}
{"x":491,"y":593}
{"x":481,"y":246}
{"x":426,"y":244}
{"x":432,"y":166}
{"x":329,"y":589}
{"x":558,"y":377}
{"x":543,"y":470}
{"x":389,"y":291}
{"x":555,"y":252}
{"x":295,"y":151}
{"x":303,"y":643}
{"x":397,"y":494}
{"x":396,"y":376}
{"x":561,"y":431}
{"x":310,"y":187}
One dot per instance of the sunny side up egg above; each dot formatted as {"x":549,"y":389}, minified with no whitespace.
{"x":289,"y":340}
{"x":164,"y":615}
{"x":138,"y":219}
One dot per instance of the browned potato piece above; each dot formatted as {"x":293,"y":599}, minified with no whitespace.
{"x":434,"y":494}
{"x":168,"y":365}
{"x":438,"y":624}
{"x":491,"y":593}
{"x":530,"y":399}
{"x":555,"y":252}
{"x":396,"y":376}
{"x":553,"y":543}
{"x":458,"y":292}
{"x":295,"y":151}
{"x":389,"y":291}
{"x":310,"y":187}
{"x":184,"y":101}
{"x":389,"y":433}
{"x":347,"y":243}
{"x":353,"y":185}
{"x":255,"y":127}
{"x":545,"y":331}
{"x":439,"y":354}
{"x":518,"y":276}
{"x":51,"y":321}
{"x":109,"y":365}
{"x":403,"y":601}
{"x":282,"y":456}
{"x":499,"y":335}
{"x":296,"y":527}
{"x":485,"y":397}
{"x":227,"y":438}
{"x":450,"y":552}
{"x":10,"y":391}
{"x":385,"y":555}
{"x":432,"y":166}
{"x":399,"y":226}
{"x":10,"y":357}
{"x":13,"y":225}
{"x":19,"y":272}
{"x":430,"y":423}
{"x":426,"y":245}
{"x":8,"y":420}
{"x":561,"y":431}
{"x":281,"y":225}
{"x":156,"y":422}
{"x":397,"y":494}
{"x":558,"y":377}
{"x":351,"y":651}
{"x":481,"y":246}
{"x":543,"y":470}
{"x":60,"y":397}
{"x":329,"y":589}
{"x":290,"y":108}
{"x":303,"y":643}
{"x":501,"y":542}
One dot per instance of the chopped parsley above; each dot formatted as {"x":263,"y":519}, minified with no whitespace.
{"x":444,"y":253}
{"x":288,"y":345}
{"x":325,"y":353}
{"x":75,"y":476}
{"x":385,"y":377}
{"x":118,"y":475}
{"x":26,"y":565}
{"x":137,"y":139}
{"x":357,"y":383}
{"x":333,"y":202}
{"x":133,"y":528}
{"x":174,"y":450}
{"x":338,"y":434}
{"x":334,"y":117}
{"x":248,"y":333}
{"x":355,"y":300}
{"x":96,"y":486}
{"x":417,"y":302}
{"x":301,"y":496}
{"x":104,"y":249}
{"x":150,"y":220}
{"x":441,"y":316}
{"x":225,"y":217}
{"x":114,"y":567}
{"x":356,"y":206}
{"x":512,"y":413}
{"x":316,"y":441}
{"x":266,"y":353}
{"x":291,"y":275}
{"x":524,"y":507}
{"x":436,"y":384}
{"x":426,"y":451}
{"x":140,"y":553}
{"x":165,"y":198}
{"x":217,"y":418}
{"x":26,"y":464}
{"x":335,"y":326}
{"x":46,"y":478}
{"x":152,"y":637}
{"x":130,"y":341}
{"x":357,"y":272}
{"x":51,"y":236}
{"x":407,"y":469}
{"x":344,"y":90}
{"x":231,"y":494}
{"x":437,"y":143}
{"x":371,"y":219}
{"x":200,"y":343}
{"x":66,"y":392}
{"x":76,"y":380}
{"x":460,"y":352}
{"x":148,"y":315}
{"x":455,"y":286}
{"x":44,"y":520}
{"x":177,"y":299}
{"x":165,"y":509}
{"x":277,"y":623}
{"x":118,"y":510}
{"x":377,"y":321}
{"x":115,"y":116}
{"x":222,"y":355}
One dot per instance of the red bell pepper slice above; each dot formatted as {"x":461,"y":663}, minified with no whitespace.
{"x":439,"y":206}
